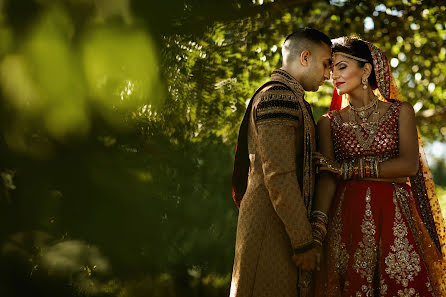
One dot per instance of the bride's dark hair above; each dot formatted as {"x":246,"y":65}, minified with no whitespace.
{"x":357,"y":47}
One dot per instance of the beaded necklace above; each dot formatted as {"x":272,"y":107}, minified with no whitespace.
{"x":365,"y":139}
{"x":362,"y":111}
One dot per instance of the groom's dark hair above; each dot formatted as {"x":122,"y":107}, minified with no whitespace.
{"x":303,"y":39}
{"x":309,"y":35}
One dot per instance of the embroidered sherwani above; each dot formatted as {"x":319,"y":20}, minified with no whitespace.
{"x":273,"y":218}
{"x":377,"y":244}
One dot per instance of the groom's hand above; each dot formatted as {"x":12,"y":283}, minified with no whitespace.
{"x":308,"y":260}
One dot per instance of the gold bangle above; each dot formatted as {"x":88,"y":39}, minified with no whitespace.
{"x":345,"y":168}
{"x":353,"y":170}
{"x":366,"y":168}
{"x":377,"y":169}
{"x":361,"y":168}
{"x":350,"y":170}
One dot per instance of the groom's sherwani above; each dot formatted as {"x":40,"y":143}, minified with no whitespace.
{"x":273,"y":219}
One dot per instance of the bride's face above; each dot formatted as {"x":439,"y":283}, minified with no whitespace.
{"x":347,"y":74}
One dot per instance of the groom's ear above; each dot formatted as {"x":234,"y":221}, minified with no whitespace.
{"x":305,"y":57}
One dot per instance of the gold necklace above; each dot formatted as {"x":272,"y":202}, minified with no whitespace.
{"x":372,"y":128}
{"x":362,"y":111}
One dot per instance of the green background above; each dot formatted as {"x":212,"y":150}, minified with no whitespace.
{"x":118,"y":123}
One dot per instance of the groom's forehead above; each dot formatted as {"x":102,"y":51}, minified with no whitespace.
{"x":323,"y":50}
{"x":325,"y":54}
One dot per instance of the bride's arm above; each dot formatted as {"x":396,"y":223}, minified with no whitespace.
{"x":406,"y":164}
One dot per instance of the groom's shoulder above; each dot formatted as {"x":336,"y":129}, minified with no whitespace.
{"x":276,"y":101}
{"x":276,"y":92}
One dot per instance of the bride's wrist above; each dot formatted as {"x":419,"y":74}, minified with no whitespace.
{"x":319,"y":222}
{"x":360,"y":168}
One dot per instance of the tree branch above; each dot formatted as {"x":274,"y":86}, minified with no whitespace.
{"x":190,"y":24}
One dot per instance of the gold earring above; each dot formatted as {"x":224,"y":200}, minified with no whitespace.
{"x":364,"y":82}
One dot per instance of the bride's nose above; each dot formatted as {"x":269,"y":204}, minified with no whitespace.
{"x":334,"y":75}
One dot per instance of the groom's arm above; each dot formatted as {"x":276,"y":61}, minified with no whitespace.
{"x":326,"y":181}
{"x":277,"y":126}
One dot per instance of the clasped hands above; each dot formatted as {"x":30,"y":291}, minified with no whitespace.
{"x":309,"y":260}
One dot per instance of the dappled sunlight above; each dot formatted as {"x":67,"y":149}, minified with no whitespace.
{"x":76,"y":262}
{"x":56,"y":83}
{"x":43,"y":85}
{"x":111,"y":8}
{"x":18,"y":85}
{"x":52,"y":62}
{"x":71,"y":256}
{"x":141,"y":175}
{"x":216,"y":280}
{"x":24,"y":245}
{"x":119,"y":120}
{"x":121,"y":70}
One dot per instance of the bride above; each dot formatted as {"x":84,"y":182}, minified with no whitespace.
{"x":385,"y":237}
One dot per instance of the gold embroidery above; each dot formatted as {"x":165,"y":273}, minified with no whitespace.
{"x":403,"y":263}
{"x":382,"y":287}
{"x":309,"y":148}
{"x":429,"y":286}
{"x":365,"y":255}
{"x":340,"y":253}
{"x":408,"y":293}
{"x":366,"y":137}
{"x":382,"y":284}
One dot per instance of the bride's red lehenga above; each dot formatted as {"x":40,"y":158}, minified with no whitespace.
{"x":377,"y":244}
{"x":384,"y":239}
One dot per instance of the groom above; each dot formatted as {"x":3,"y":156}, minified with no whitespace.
{"x":273,"y":178}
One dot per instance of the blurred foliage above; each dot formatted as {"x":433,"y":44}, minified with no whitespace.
{"x":118,"y":121}
{"x":438,"y":169}
{"x":441,"y":192}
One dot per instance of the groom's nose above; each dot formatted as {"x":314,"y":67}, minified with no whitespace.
{"x":327,"y":74}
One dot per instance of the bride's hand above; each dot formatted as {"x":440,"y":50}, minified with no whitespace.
{"x":326,"y":164}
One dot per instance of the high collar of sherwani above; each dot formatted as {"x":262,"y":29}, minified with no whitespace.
{"x":283,"y":76}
